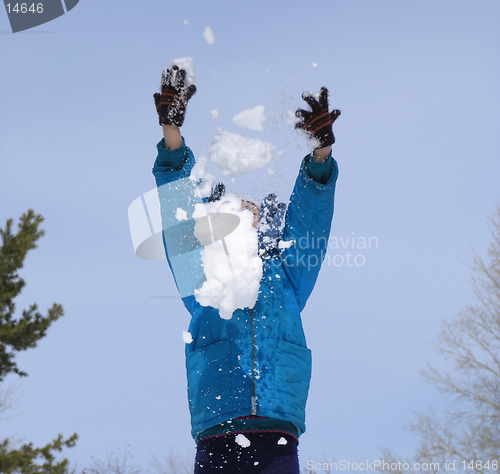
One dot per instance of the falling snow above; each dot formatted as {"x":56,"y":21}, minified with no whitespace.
{"x":208,"y":34}
{"x":237,"y":154}
{"x":181,"y":214}
{"x":242,"y":440}
{"x":253,"y":119}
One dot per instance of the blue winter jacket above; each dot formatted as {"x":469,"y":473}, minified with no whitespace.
{"x":256,"y":363}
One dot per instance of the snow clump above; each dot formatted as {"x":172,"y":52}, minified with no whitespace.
{"x":181,"y":214}
{"x":242,"y":440}
{"x":282,"y":441}
{"x":186,"y":337}
{"x":252,"y":119}
{"x":237,"y":154}
{"x":231,"y":264}
{"x":214,"y":113}
{"x":208,"y":34}
{"x":285,"y":244}
{"x":187,"y":64}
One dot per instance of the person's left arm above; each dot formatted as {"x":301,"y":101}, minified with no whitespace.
{"x":310,"y":212}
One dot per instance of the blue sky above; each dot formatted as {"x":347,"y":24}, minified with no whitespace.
{"x":418,"y":152}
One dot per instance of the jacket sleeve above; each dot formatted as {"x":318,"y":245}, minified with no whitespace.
{"x":307,"y":225}
{"x":178,"y":198}
{"x":171,"y":165}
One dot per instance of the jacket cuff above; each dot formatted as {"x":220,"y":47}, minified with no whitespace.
{"x":320,"y":172}
{"x":323,"y":173}
{"x":174,"y":159}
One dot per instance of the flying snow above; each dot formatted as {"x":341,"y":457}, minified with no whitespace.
{"x":214,"y":113}
{"x":252,"y":119}
{"x":208,"y":34}
{"x":242,"y":440}
{"x":237,"y":154}
{"x":232,"y":266}
{"x":314,"y":64}
{"x":199,"y":174}
{"x":181,"y":214}
{"x":282,"y":441}
{"x":187,"y":64}
{"x":186,"y":337}
{"x":285,"y":244}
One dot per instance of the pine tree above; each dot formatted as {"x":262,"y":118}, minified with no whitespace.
{"x":21,"y":333}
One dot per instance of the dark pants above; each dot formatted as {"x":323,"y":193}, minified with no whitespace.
{"x":267,"y":453}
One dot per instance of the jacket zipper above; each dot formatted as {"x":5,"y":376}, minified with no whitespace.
{"x":254,"y":368}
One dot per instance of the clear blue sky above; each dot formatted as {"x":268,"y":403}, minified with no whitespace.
{"x":418,"y":151}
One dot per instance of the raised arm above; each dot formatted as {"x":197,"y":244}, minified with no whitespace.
{"x":310,"y":212}
{"x":176,"y":191}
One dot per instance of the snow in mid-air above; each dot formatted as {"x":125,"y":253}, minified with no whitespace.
{"x":214,"y":113}
{"x":208,"y":34}
{"x":242,"y":440}
{"x":285,"y":244}
{"x":232,"y":266}
{"x":200,"y":176}
{"x":252,"y":119}
{"x":237,"y":154}
{"x":186,"y":337}
{"x":181,"y":214}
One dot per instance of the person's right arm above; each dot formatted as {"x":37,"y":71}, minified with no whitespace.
{"x":176,"y":191}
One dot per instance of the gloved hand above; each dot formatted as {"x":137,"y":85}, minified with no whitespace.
{"x":171,"y":103}
{"x":318,"y":122}
{"x":217,"y":192}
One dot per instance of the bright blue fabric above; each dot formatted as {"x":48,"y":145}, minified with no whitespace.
{"x":170,"y":158}
{"x":258,"y":361}
{"x":320,"y":171}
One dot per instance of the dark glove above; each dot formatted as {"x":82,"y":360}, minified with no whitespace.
{"x":217,"y":192}
{"x":171,"y":103}
{"x":318,"y":122}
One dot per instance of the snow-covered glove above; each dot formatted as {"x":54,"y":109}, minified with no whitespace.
{"x":268,"y":229}
{"x":171,"y":103}
{"x":318,"y":122}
